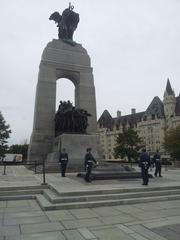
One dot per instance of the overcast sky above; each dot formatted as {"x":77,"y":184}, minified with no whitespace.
{"x":134,"y":47}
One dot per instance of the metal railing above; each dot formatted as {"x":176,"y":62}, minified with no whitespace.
{"x":34,"y":163}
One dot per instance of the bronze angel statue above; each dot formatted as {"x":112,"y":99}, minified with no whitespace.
{"x":66,"y":23}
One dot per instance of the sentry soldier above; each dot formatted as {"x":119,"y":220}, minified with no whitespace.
{"x":157,"y":162}
{"x":63,"y":159}
{"x":89,"y":161}
{"x":144,"y":164}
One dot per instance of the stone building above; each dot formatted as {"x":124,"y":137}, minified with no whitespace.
{"x":151,"y":124}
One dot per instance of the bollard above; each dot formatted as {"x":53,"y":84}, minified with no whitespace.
{"x":44,"y":174}
{"x":166,"y":168}
{"x":35,"y":167}
{"x":4,"y":169}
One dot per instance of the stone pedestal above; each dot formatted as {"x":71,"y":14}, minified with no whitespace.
{"x":76,"y":145}
{"x":60,"y":60}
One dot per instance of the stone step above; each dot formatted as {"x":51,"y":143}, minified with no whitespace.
{"x":2,"y":189}
{"x":17,"y":197}
{"x":21,"y":192}
{"x":46,"y":205}
{"x":53,"y":198}
{"x":50,"y":199}
{"x":111,"y":191}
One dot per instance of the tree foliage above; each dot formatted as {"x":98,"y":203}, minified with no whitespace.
{"x":4,"y":135}
{"x":128,"y":144}
{"x":19,"y":149}
{"x":172,"y":142}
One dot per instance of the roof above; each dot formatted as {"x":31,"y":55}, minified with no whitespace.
{"x":169,"y":88}
{"x":131,"y":119}
{"x":106,"y":120}
{"x":156,"y":108}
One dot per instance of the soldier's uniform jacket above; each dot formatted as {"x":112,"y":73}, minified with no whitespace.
{"x":157,"y":159}
{"x":89,"y":160}
{"x":63,"y":158}
{"x":144,"y":162}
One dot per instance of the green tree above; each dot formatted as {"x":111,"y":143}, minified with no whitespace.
{"x":19,"y":149}
{"x":128,"y":144}
{"x":4,"y":135}
{"x":172,"y":142}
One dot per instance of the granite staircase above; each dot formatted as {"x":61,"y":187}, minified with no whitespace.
{"x":50,"y":198}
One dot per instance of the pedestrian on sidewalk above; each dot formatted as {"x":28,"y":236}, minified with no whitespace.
{"x":63,"y":160}
{"x":144,"y":164}
{"x":157,"y":162}
{"x":89,"y":161}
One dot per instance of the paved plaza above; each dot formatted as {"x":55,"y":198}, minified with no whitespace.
{"x":25,"y":220}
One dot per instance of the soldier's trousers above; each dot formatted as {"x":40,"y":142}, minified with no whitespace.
{"x":88,"y":173}
{"x":145,"y":176}
{"x":158,"y":170}
{"x":63,"y":168}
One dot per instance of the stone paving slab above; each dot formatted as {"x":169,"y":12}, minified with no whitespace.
{"x":171,"y":212}
{"x":111,"y":233}
{"x":39,"y":236}
{"x":175,"y":227}
{"x":106,"y":211}
{"x":150,"y":215}
{"x":2,"y":204}
{"x":86,"y":233}
{"x":41,"y":227}
{"x":73,"y":235}
{"x":154,"y":220}
{"x":128,"y":209}
{"x":59,"y":215}
{"x":24,"y":214}
{"x":137,"y":236}
{"x":24,"y":220}
{"x":162,"y":223}
{"x":81,"y":223}
{"x":124,"y":228}
{"x":83,"y":213}
{"x":9,"y":230}
{"x":149,"y":207}
{"x":117,"y":219}
{"x":18,"y":203}
{"x":146,"y":233}
{"x":19,"y":209}
{"x":168,"y":233}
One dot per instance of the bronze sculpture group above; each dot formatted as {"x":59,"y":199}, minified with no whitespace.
{"x":68,"y":119}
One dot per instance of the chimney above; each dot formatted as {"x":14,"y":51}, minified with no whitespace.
{"x":133,"y":110}
{"x":118,"y":113}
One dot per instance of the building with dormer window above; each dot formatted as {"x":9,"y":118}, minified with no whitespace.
{"x":151,"y":124}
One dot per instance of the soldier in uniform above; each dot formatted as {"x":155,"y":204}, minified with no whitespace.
{"x":144,"y":164}
{"x":157,"y":162}
{"x":63,"y":159}
{"x":89,"y":160}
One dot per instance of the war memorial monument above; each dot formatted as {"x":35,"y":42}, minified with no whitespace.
{"x":72,"y":127}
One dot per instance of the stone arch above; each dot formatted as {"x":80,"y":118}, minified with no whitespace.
{"x":65,"y":90}
{"x":60,"y":60}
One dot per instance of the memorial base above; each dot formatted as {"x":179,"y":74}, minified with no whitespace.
{"x":76,"y":145}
